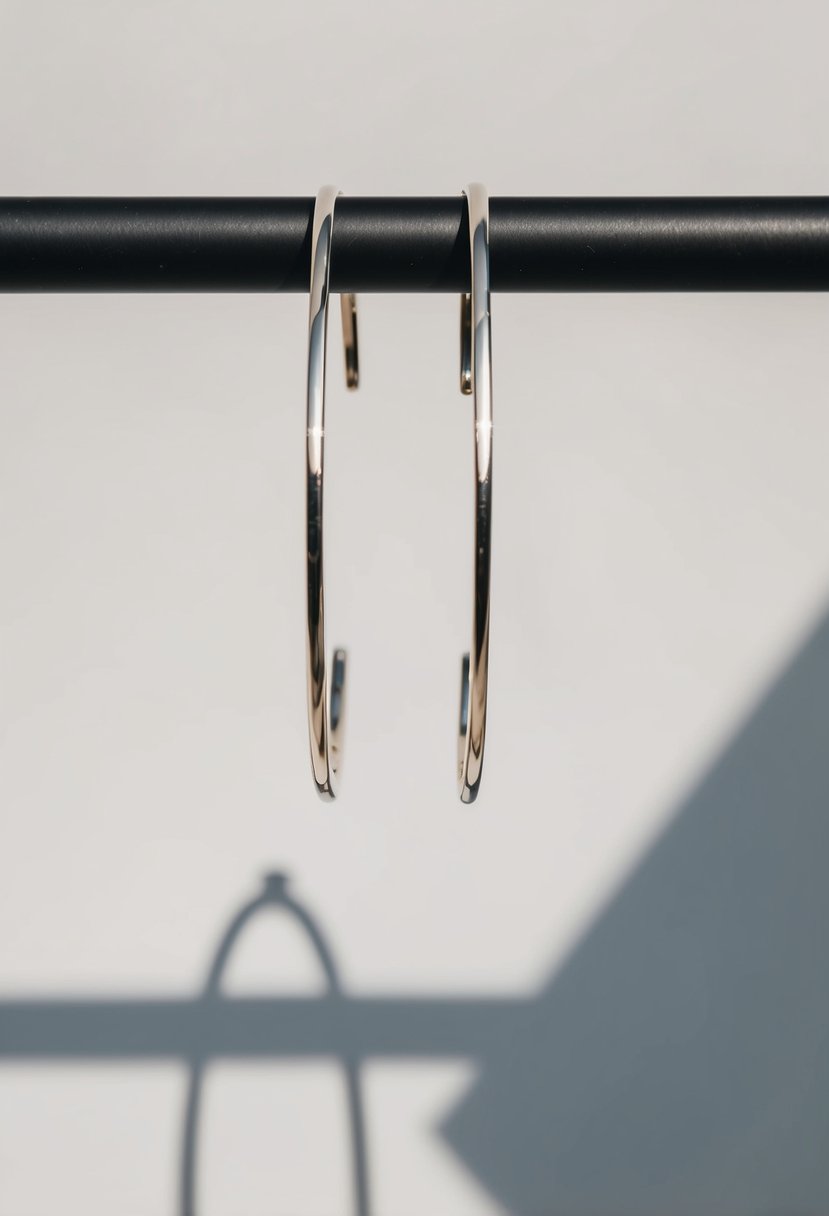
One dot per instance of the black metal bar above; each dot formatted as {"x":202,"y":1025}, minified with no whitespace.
{"x":415,"y":244}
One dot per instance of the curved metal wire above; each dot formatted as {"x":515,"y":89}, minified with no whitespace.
{"x":326,"y":689}
{"x":476,"y":379}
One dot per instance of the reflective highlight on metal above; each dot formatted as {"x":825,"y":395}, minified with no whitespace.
{"x":476,"y":379}
{"x":326,"y":686}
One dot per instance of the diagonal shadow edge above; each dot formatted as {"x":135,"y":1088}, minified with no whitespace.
{"x":679,"y":1059}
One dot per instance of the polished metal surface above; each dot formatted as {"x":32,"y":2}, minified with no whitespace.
{"x":476,"y":379}
{"x":326,"y":686}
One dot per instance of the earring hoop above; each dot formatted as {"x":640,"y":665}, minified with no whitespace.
{"x":325,"y":706}
{"x":476,"y":380}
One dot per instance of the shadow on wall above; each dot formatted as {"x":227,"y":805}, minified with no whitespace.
{"x":274,"y":895}
{"x":678,"y":1062}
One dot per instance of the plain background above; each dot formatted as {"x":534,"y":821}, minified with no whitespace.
{"x":642,"y":881}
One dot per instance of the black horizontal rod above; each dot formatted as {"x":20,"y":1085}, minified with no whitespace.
{"x":415,"y":244}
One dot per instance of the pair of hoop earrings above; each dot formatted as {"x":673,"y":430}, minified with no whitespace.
{"x":326,"y":686}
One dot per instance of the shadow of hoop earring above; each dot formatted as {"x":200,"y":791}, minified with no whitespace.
{"x":275,"y":896}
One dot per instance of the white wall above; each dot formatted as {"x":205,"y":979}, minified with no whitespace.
{"x":606,"y":983}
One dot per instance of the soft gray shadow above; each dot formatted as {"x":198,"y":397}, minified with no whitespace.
{"x":679,"y":1061}
{"x":275,"y":896}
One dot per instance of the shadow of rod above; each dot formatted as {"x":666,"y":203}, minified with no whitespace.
{"x":247,"y":1028}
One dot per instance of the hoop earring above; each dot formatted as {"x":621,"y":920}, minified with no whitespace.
{"x":325,"y":709}
{"x":476,"y":379}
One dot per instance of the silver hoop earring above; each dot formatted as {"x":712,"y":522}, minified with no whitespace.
{"x":325,"y":705}
{"x":476,"y":379}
